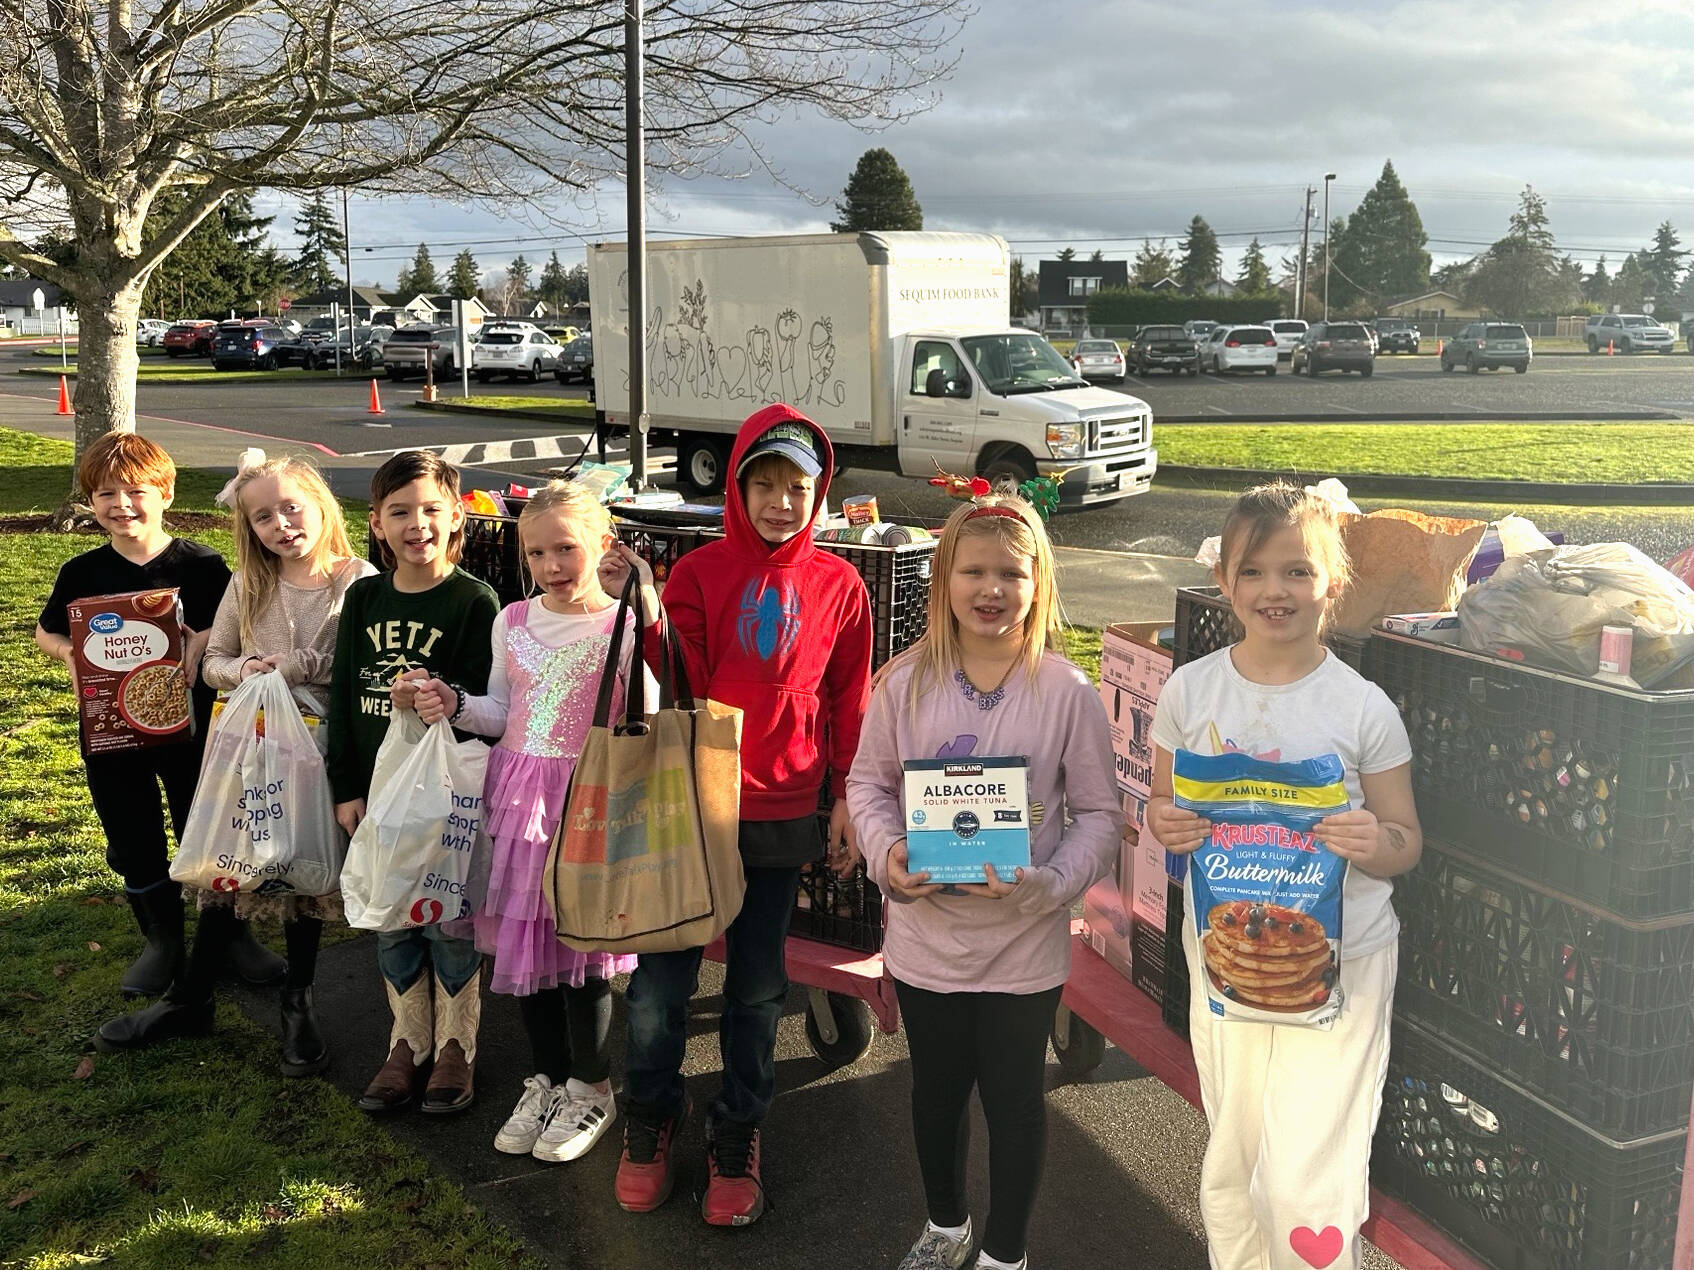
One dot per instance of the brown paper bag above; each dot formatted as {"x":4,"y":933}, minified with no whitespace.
{"x":1403,"y":562}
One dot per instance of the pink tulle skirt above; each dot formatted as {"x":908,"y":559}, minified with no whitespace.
{"x":525,"y":800}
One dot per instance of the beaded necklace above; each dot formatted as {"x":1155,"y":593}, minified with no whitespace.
{"x":984,"y":700}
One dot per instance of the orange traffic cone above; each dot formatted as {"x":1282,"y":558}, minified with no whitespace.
{"x":1439,"y":345}
{"x":376,"y":402}
{"x":64,"y":397}
{"x":1611,"y":348}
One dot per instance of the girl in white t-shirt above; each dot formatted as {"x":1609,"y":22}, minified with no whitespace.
{"x":1286,"y":1178}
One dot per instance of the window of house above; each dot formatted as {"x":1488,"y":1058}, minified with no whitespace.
{"x":1083,"y":286}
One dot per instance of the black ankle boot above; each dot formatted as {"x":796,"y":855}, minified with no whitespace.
{"x":304,"y":1051}
{"x":158,"y":912}
{"x":251,"y":962}
{"x":164,"y":1020}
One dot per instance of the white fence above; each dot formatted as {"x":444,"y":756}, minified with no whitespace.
{"x":29,"y":325}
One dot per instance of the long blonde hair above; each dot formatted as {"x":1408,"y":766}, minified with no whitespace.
{"x":256,"y":564}
{"x":1276,"y":505}
{"x":1010,"y":519}
{"x":577,"y":502}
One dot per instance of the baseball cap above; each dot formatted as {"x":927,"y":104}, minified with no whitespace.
{"x":794,"y":441}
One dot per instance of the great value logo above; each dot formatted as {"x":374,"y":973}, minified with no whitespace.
{"x":105,"y":623}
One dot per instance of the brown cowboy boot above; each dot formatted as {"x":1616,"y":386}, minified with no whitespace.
{"x":394,"y":1088}
{"x":452,"y":1084}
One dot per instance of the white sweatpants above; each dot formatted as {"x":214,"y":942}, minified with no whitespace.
{"x":1286,"y":1180}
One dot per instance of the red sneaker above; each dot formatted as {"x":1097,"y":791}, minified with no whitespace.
{"x":734,"y":1194}
{"x":646,"y":1169}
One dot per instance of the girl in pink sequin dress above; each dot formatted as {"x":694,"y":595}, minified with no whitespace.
{"x":549,"y":653}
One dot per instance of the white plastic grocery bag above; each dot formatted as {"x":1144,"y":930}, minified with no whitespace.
{"x":410,"y":860}
{"x":263,"y":819}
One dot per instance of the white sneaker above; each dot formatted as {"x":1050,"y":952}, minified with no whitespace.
{"x":517,"y":1136}
{"x":937,"y":1250}
{"x":581,"y":1115}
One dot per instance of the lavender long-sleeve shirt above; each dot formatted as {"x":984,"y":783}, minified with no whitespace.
{"x":967,"y":943}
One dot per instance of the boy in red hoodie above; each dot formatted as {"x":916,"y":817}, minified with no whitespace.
{"x":769,"y":623}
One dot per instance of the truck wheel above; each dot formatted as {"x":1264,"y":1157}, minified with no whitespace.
{"x":701,"y":462}
{"x":838,"y":1027}
{"x":1593,"y":344}
{"x":1077,"y":1046}
{"x":1011,"y":465}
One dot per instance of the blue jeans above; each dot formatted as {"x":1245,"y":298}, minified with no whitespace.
{"x":755,"y":986}
{"x":403,"y":955}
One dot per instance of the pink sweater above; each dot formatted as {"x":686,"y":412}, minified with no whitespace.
{"x":966,"y":943}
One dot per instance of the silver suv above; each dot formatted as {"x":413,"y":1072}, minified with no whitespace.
{"x":1488,"y":345}
{"x":410,"y":347}
{"x":1630,"y":333}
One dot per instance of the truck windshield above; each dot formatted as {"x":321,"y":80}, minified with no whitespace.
{"x":1021,"y":363}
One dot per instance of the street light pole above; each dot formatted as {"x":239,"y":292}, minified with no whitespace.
{"x":635,"y":183}
{"x":1305,"y":253}
{"x":1327,"y":178}
{"x":347,"y":259}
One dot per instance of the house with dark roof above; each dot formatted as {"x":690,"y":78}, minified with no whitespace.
{"x":1064,"y":287}
{"x":368,"y":302}
{"x":17,"y":305}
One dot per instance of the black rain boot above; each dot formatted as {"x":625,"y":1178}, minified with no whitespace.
{"x":158,"y":911}
{"x":253,"y":963}
{"x":304,"y":1051}
{"x":167,"y":1018}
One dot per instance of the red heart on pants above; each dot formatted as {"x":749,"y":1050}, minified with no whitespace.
{"x":1314,"y":1247}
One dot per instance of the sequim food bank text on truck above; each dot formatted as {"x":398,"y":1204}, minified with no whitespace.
{"x":898,"y":344}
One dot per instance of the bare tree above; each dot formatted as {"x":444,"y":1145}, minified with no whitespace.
{"x":105,"y":105}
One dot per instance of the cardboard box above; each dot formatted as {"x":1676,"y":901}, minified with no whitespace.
{"x":1421,"y":624}
{"x":132,"y":692}
{"x":1133,"y":671}
{"x":1150,"y":879}
{"x":1106,"y":926}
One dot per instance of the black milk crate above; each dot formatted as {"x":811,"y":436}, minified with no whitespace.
{"x":1577,"y":786}
{"x":661,"y":546}
{"x":1593,"y":1013}
{"x":846,"y":912}
{"x":1206,"y":623}
{"x":1517,"y":1181}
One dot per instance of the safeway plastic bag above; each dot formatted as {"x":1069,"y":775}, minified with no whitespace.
{"x":410,"y":860}
{"x":1547,"y":608}
{"x":263,"y":819}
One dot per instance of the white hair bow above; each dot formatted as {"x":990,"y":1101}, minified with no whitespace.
{"x":245,"y":462}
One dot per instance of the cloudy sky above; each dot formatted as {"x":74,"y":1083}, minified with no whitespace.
{"x":1097,"y":123}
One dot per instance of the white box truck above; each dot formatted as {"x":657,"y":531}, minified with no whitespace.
{"x":899,"y":345}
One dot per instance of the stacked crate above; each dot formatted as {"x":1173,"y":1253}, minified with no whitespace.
{"x":1543,"y":1061}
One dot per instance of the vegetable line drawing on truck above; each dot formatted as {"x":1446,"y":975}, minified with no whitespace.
{"x":899,"y":345}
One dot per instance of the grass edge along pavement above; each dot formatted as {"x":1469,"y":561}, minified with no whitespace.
{"x":197,"y":1151}
{"x":179,"y":373}
{"x":569,"y":409}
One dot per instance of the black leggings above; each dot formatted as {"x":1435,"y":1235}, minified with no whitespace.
{"x":997,"y":1043}
{"x":568,"y":1030}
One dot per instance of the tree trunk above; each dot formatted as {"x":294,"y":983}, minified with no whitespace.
{"x":106,"y":364}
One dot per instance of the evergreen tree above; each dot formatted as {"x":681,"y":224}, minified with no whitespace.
{"x":1097,"y":254}
{"x":1662,"y":262}
{"x":419,"y":278}
{"x":878,"y":196}
{"x":1255,"y":276}
{"x":1521,"y":275}
{"x":1201,"y":261}
{"x":1068,"y":254}
{"x":1597,"y":286}
{"x":517,"y":283}
{"x":1629,"y":287}
{"x":226,"y":263}
{"x":464,"y":277}
{"x":576,"y":284}
{"x":1151,"y":266}
{"x":321,"y":243}
{"x":1379,"y":251}
{"x":551,"y":286}
{"x":1023,"y":286}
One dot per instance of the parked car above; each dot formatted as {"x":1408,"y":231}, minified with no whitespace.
{"x":576,"y":360}
{"x":1396,"y":335}
{"x":564,"y":334}
{"x":508,"y":348}
{"x":1165,"y":347}
{"x":1287,"y":332}
{"x":1199,"y":329}
{"x":1341,"y":346}
{"x":1098,"y":359}
{"x":189,"y":339}
{"x":360,"y":348}
{"x":410,"y":347}
{"x":149,"y":331}
{"x":1629,"y":333}
{"x":1489,"y":345}
{"x":248,"y":345}
{"x":1240,"y":348}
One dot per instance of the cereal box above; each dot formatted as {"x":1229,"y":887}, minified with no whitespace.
{"x":132,"y":691}
{"x":1266,"y":892}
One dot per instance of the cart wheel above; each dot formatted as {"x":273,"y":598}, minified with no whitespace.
{"x":838,"y":1027}
{"x":1079,"y":1048}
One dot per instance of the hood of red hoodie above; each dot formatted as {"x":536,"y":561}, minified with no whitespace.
{"x":738,"y":530}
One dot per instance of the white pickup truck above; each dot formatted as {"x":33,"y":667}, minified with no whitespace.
{"x":899,"y":345}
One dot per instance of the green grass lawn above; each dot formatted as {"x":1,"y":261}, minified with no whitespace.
{"x":183,"y":372}
{"x":575,"y":408}
{"x":1625,"y":453}
{"x":198,"y":1152}
{"x":143,"y":350}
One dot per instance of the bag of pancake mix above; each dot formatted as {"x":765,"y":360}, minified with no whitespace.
{"x":1266,"y":892}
